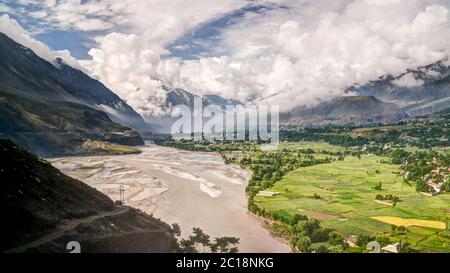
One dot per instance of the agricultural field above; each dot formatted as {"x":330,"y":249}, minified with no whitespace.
{"x":322,"y":193}
{"x":342,"y":194}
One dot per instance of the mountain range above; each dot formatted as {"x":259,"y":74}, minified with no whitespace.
{"x":389,"y":99}
{"x":52,"y":108}
{"x":346,"y":110}
{"x":178,"y":96}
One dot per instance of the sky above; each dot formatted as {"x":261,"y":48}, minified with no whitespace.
{"x":292,"y":52}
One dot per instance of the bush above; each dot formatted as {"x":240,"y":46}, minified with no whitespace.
{"x":304,"y":244}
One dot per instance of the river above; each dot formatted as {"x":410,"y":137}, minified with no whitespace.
{"x":192,"y":189}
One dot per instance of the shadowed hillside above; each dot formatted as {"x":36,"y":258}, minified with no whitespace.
{"x":51,"y":109}
{"x":346,"y":110}
{"x":44,"y":209}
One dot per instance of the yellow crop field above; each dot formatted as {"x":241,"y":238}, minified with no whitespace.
{"x":411,"y":222}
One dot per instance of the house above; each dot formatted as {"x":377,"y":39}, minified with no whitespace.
{"x":392,"y":248}
{"x":435,"y":186}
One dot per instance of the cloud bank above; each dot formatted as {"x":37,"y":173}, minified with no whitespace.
{"x":296,"y":52}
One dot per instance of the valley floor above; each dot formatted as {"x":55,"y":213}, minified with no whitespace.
{"x":347,"y":201}
{"x":191,"y":189}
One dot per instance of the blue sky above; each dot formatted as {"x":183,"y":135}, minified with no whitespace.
{"x":78,"y":43}
{"x":206,"y":40}
{"x":203,"y":40}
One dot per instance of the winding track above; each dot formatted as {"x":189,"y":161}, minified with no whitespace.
{"x":62,"y":230}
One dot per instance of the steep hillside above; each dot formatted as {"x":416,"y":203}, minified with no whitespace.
{"x":28,"y":75}
{"x":389,"y":99}
{"x":177,"y":96}
{"x":346,"y":110}
{"x":52,"y":109}
{"x":97,"y":95}
{"x":43,"y":210}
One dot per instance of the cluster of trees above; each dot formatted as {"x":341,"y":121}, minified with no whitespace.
{"x":207,"y":146}
{"x":302,"y":232}
{"x":388,"y":197}
{"x":330,"y":136}
{"x":199,"y":241}
{"x":268,"y":167}
{"x":421,"y":164}
{"x":424,"y":132}
{"x":398,"y":230}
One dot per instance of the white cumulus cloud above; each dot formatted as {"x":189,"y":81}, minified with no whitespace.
{"x":294,"y":53}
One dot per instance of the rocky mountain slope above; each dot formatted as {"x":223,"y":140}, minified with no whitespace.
{"x":420,"y":91}
{"x":43,"y":210}
{"x":390,"y":99}
{"x":51,"y":109}
{"x":346,"y":110}
{"x":178,"y":96}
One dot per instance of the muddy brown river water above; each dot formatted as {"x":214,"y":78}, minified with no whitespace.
{"x":191,"y":189}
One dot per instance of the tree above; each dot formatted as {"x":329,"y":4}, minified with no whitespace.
{"x":297,"y":218}
{"x":304,"y":244}
{"x":335,"y":239}
{"x":446,"y":186}
{"x":197,"y":242}
{"x":363,"y":240}
{"x":322,"y":249}
{"x":176,"y":231}
{"x":225,"y":245}
{"x":393,"y":229}
{"x":378,"y":187}
{"x":320,"y":235}
{"x":405,"y":247}
{"x":200,"y":242}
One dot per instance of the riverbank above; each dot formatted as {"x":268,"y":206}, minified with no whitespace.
{"x":192,"y":189}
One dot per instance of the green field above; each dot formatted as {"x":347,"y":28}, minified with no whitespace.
{"x":347,"y":199}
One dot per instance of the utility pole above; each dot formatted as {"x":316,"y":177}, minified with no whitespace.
{"x":122,"y":194}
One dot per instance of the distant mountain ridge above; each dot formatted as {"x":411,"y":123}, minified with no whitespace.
{"x":178,"y":96}
{"x":389,"y":99}
{"x":346,"y":110}
{"x":50,"y":109}
{"x":420,"y":91}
